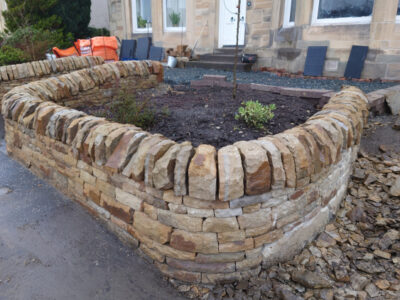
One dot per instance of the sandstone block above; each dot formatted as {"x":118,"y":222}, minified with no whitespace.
{"x":128,"y":199}
{"x":180,"y":221}
{"x":163,"y":172}
{"x":123,"y":152}
{"x":117,"y":209}
{"x":179,"y":274}
{"x":193,"y":266}
{"x":135,"y":167}
{"x":275,"y":160}
{"x":261,"y":218}
{"x":204,"y":242}
{"x":237,"y":246}
{"x":227,"y":213}
{"x":152,"y":156}
{"x":219,"y":258}
{"x":220,"y":224}
{"x":231,"y":175}
{"x":256,"y":167}
{"x":200,"y":212}
{"x":203,"y":173}
{"x":231,"y":236}
{"x":151,"y":228}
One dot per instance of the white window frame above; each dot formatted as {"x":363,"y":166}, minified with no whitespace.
{"x":286,"y":14}
{"x":337,"y":21}
{"x":171,"y":29}
{"x":136,"y":29}
{"x":397,"y":17}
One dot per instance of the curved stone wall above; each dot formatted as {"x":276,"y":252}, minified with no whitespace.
{"x":14,"y":75}
{"x":199,"y":214}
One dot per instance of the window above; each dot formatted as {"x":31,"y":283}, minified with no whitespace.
{"x":174,"y":15}
{"x":290,"y":13}
{"x":342,"y":11}
{"x":141,"y":12}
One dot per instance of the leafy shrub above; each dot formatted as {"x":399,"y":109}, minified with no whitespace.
{"x":36,"y":42}
{"x":255,"y":114}
{"x":127,"y":110}
{"x":98,"y":32}
{"x":10,"y":56}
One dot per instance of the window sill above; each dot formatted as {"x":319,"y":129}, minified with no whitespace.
{"x":138,"y":31}
{"x":288,"y":25}
{"x":342,"y":21}
{"x":175,"y":29}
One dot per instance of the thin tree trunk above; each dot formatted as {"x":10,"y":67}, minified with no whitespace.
{"x":236,"y":52}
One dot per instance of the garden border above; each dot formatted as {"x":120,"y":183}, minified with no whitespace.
{"x":199,"y":214}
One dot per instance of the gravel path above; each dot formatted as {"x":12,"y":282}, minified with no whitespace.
{"x":184,"y":76}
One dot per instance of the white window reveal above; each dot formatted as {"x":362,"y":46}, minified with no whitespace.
{"x":342,"y":11}
{"x":398,"y":13}
{"x":290,"y":13}
{"x":141,"y":15}
{"x":174,"y":15}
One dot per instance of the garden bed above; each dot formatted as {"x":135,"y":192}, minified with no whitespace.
{"x":207,"y":115}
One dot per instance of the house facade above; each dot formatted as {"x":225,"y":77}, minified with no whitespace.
{"x":278,"y":31}
{"x":99,"y":14}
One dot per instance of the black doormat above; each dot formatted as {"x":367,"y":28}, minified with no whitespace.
{"x":315,"y":61}
{"x":355,"y":65}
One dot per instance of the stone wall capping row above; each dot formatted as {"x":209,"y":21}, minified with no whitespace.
{"x":201,"y":214}
{"x":46,"y":67}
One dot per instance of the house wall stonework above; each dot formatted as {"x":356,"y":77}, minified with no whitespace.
{"x":276,"y":46}
{"x":200,"y":214}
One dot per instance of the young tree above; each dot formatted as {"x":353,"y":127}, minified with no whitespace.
{"x":31,"y":13}
{"x":75,"y":16}
{"x":236,"y":52}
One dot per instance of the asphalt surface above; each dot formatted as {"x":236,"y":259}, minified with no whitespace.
{"x":184,"y":76}
{"x":52,"y":248}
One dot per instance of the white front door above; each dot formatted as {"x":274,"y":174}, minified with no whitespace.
{"x":228,"y":22}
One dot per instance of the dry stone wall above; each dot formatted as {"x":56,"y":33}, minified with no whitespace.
{"x":15,"y":75}
{"x":200,"y":214}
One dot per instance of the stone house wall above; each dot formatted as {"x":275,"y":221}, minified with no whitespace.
{"x":200,"y":214}
{"x":277,"y":46}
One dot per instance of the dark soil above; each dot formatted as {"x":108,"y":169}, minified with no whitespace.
{"x":207,"y":115}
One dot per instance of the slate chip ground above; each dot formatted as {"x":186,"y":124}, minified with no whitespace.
{"x":184,"y":76}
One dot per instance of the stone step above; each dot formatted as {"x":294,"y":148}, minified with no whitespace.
{"x":228,"y":50}
{"x":218,"y":57}
{"x":224,"y":65}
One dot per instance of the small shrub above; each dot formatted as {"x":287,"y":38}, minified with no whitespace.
{"x":10,"y":56}
{"x":127,"y":110}
{"x":98,"y":32}
{"x":255,"y":114}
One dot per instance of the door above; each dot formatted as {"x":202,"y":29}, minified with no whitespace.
{"x":227,"y":22}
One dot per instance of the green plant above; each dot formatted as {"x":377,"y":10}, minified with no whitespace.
{"x":175,"y":18}
{"x":141,"y":23}
{"x":10,"y":56}
{"x":98,"y":32}
{"x":127,"y":110}
{"x":36,"y":42}
{"x":255,"y":114}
